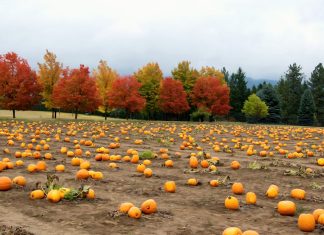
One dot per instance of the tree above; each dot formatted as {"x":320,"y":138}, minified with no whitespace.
{"x":290,"y":89}
{"x":19,"y":88}
{"x":125,"y":94}
{"x":76,"y":91}
{"x":173,"y":98}
{"x":239,"y":93}
{"x":306,"y":109}
{"x":316,"y":83}
{"x":254,"y":108}
{"x":150,"y":76}
{"x":226,"y":74}
{"x":207,"y":71}
{"x":105,"y":76}
{"x":186,"y":74}
{"x":269,"y":95}
{"x":211,"y":94}
{"x":48,"y":75}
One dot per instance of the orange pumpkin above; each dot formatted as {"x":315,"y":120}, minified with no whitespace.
{"x":272,"y":191}
{"x":54,"y":196}
{"x":41,"y":166}
{"x":134,"y":159}
{"x":232,"y":231}
{"x":235,"y":165}
{"x":251,"y":198}
{"x":320,"y":219}
{"x":193,"y":162}
{"x":60,"y":168}
{"x":32,"y":168}
{"x":306,"y":222}
{"x":82,"y":174}
{"x":170,"y":186}
{"x":192,"y":182}
{"x":168,"y":163}
{"x":124,"y":207}
{"x":19,"y":180}
{"x":5,"y":183}
{"x":214,"y":183}
{"x":134,"y":212}
{"x":237,"y":188}
{"x":250,"y":232}
{"x":147,"y":162}
{"x":91,"y":194}
{"x":148,"y":172}
{"x":140,"y":168}
{"x":204,"y":164}
{"x":149,"y":206}
{"x":298,"y":194}
{"x":37,"y":194}
{"x":317,"y":213}
{"x":286,"y":208}
{"x":232,"y":203}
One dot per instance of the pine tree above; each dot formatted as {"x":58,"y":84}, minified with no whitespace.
{"x":269,"y":95}
{"x":316,"y":83}
{"x":238,"y":94}
{"x":290,"y":89}
{"x":306,"y":109}
{"x":226,"y":75}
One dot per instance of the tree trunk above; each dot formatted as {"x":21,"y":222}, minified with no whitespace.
{"x":52,"y":112}
{"x":55,"y":111}
{"x":105,"y":114}
{"x":76,"y":114}
{"x":14,"y":113}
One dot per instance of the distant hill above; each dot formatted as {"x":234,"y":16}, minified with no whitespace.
{"x":253,"y":81}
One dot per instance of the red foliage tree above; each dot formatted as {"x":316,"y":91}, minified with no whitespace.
{"x":19,"y":88}
{"x":124,"y":94}
{"x":210,"y":93}
{"x":173,"y":98}
{"x":77,"y":91}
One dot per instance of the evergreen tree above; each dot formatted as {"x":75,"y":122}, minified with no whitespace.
{"x":254,"y":90}
{"x":306,"y":109}
{"x":316,"y":83}
{"x":226,"y":75}
{"x":238,"y":94}
{"x":269,"y":95}
{"x":290,"y":89}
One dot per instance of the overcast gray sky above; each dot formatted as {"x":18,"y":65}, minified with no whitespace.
{"x":261,"y":36}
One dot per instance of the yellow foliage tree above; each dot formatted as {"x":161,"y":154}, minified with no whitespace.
{"x":48,"y":74}
{"x":105,"y":76}
{"x":207,"y":71}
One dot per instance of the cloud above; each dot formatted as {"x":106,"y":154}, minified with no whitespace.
{"x":263,"y":37}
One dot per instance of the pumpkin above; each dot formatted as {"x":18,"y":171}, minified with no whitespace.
{"x":298,"y":194}
{"x":19,"y":180}
{"x":232,"y":231}
{"x":124,"y":207}
{"x":140,"y":168}
{"x":147,"y":162}
{"x":48,"y":156}
{"x":193,"y":162}
{"x":237,"y":188}
{"x":5,"y":183}
{"x":97,"y":175}
{"x":31,"y":168}
{"x":18,"y":154}
{"x":134,"y":159}
{"x":204,"y":164}
{"x":3,"y":166}
{"x":113,"y":165}
{"x":148,"y":172}
{"x":320,"y":219}
{"x":134,"y":212}
{"x":37,"y":194}
{"x":232,"y":203}
{"x":214,"y":183}
{"x":286,"y":208}
{"x":91,"y":194}
{"x":306,"y":222}
{"x":317,"y":213}
{"x":75,"y":161}
{"x":272,"y":191}
{"x":149,"y":206}
{"x":10,"y":165}
{"x":41,"y":166}
{"x":60,"y":168}
{"x":82,"y":174}
{"x":250,"y":232}
{"x":19,"y":163}
{"x":192,"y":182}
{"x":85,"y":165}
{"x":251,"y":198}
{"x":235,"y":165}
{"x":320,"y":161}
{"x":168,"y":163}
{"x":64,"y":191}
{"x":54,"y":196}
{"x":170,"y":186}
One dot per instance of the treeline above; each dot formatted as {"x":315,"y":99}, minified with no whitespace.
{"x":189,"y":94}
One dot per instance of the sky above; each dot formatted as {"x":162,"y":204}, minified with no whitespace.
{"x":261,"y":36}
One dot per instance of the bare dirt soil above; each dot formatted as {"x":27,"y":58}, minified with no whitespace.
{"x":192,"y":209}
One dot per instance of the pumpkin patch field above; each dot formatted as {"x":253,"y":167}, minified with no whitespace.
{"x":88,"y":177}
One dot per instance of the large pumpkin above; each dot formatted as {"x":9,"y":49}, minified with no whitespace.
{"x":5,"y":183}
{"x":306,"y":222}
{"x":286,"y":208}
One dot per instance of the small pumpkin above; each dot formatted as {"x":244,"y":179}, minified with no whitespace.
{"x":237,"y":188}
{"x":286,"y":208}
{"x":91,"y":194}
{"x":82,"y":174}
{"x":134,"y":212}
{"x":214,"y":183}
{"x":192,"y":182}
{"x":298,"y":194}
{"x":193,"y":162}
{"x":19,"y":180}
{"x":272,"y":191}
{"x":31,"y":168}
{"x":60,"y":168}
{"x":54,"y":196}
{"x":320,"y":219}
{"x":170,"y":186}
{"x":124,"y":207}
{"x":37,"y":194}
{"x":41,"y":166}
{"x":306,"y":222}
{"x":149,"y":206}
{"x":148,"y":172}
{"x":251,"y":198}
{"x":232,"y":231}
{"x":204,"y":164}
{"x":168,"y":163}
{"x":140,"y":168}
{"x":235,"y":165}
{"x":232,"y":203}
{"x":250,"y":232}
{"x":5,"y":183}
{"x":317,"y":213}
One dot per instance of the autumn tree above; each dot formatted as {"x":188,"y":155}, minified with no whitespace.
{"x":150,"y":76}
{"x":76,"y":91}
{"x":125,"y":94}
{"x":254,"y":108}
{"x":173,"y":98}
{"x":211,"y":71}
{"x":186,"y":74}
{"x":48,"y":75}
{"x":211,"y":94}
{"x":105,"y":76}
{"x":19,"y":88}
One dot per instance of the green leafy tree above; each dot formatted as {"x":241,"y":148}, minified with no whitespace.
{"x":316,"y":84}
{"x":254,"y":108}
{"x":150,"y":76}
{"x":290,"y":88}
{"x":306,"y":111}
{"x":238,"y":94}
{"x":48,"y":75}
{"x":105,"y":76}
{"x":186,"y":74}
{"x":269,"y":95}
